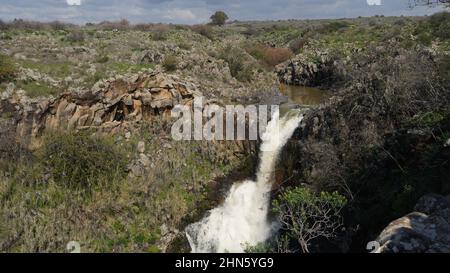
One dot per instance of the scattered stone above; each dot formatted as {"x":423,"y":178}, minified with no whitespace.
{"x":144,"y":160}
{"x":167,"y":146}
{"x":141,"y":147}
{"x":447,"y":143}
{"x":164,"y":230}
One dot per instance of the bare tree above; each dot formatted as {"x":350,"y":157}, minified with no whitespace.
{"x":430,"y":3}
{"x":306,"y":216}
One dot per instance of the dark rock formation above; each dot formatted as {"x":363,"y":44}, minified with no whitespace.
{"x":308,"y":70}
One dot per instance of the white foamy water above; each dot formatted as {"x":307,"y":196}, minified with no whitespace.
{"x":242,"y":220}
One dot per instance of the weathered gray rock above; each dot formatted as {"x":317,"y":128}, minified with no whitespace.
{"x":141,"y":147}
{"x":307,"y":70}
{"x":152,"y":57}
{"x":425,"y":231}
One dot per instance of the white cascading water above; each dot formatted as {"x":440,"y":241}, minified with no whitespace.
{"x":242,"y":220}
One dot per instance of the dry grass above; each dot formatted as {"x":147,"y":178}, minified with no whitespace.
{"x":270,"y":56}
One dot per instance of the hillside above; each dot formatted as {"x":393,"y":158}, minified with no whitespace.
{"x":86,"y":152}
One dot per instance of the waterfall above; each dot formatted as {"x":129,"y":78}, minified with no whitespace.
{"x":242,"y":220}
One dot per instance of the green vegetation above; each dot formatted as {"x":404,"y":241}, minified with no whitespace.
{"x":440,"y":24}
{"x":102,"y":59}
{"x":333,"y":27}
{"x":75,"y":188}
{"x":76,"y":36}
{"x":381,"y":145}
{"x":185,"y":46}
{"x":125,"y":67}
{"x":203,"y":30}
{"x":7,"y":69}
{"x":81,"y":161}
{"x":237,"y":62}
{"x":219,"y":18}
{"x":307,"y":216}
{"x":159,"y":33}
{"x":38,"y":89}
{"x":170,"y":63}
{"x":52,"y":68}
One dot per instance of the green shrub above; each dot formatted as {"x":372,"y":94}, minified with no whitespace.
{"x":443,"y":31}
{"x":3,"y":25}
{"x":75,"y":36}
{"x":260,"y":248}
{"x":436,"y":26}
{"x":250,"y":31}
{"x":170,"y":63}
{"x":439,"y":18}
{"x":8,"y":71}
{"x":203,"y":30}
{"x":298,"y":44}
{"x":333,"y":27}
{"x":443,"y":65}
{"x":159,"y":32}
{"x":185,"y":46}
{"x":5,"y":36}
{"x":300,"y":210}
{"x":38,"y":89}
{"x":82,"y":161}
{"x":57,"y":25}
{"x":237,"y":62}
{"x":102,"y":59}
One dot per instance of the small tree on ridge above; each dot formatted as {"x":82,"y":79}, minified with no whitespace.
{"x":219,"y":18}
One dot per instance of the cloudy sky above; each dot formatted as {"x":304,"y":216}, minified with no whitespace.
{"x":198,"y":11}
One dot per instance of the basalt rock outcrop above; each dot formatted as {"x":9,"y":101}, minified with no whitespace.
{"x":109,"y":106}
{"x":315,"y":69}
{"x":427,"y":230}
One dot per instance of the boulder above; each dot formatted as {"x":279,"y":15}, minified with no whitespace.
{"x":427,"y":230}
{"x":312,"y":69}
{"x":151,"y":57}
{"x":141,"y":147}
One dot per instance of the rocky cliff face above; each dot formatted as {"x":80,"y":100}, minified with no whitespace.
{"x":109,"y":106}
{"x":313,"y":69}
{"x":427,"y":230}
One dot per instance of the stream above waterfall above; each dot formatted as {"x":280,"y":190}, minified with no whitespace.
{"x":304,"y":95}
{"x":301,"y":96}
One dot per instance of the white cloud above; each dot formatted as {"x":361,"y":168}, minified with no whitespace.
{"x":374,"y":2}
{"x":73,"y":2}
{"x":180,"y":14}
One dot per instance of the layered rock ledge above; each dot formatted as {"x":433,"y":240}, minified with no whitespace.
{"x":107,"y":107}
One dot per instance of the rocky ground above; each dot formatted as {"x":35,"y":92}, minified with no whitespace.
{"x":103,"y":95}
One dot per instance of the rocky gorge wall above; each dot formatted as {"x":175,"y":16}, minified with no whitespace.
{"x":111,"y":105}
